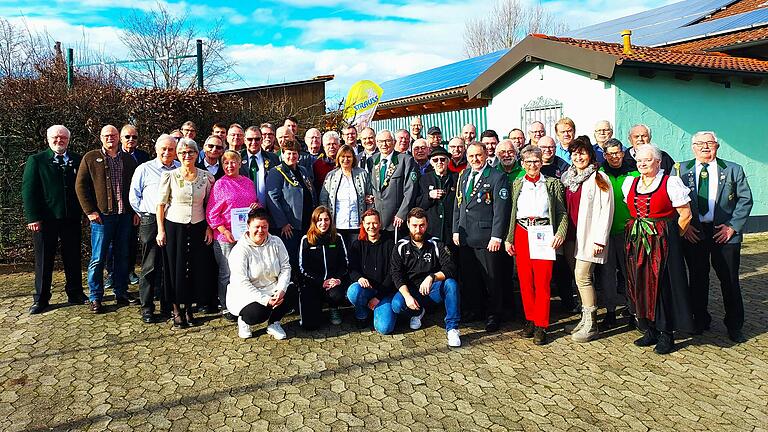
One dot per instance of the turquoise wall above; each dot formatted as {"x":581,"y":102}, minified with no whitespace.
{"x":676,"y":109}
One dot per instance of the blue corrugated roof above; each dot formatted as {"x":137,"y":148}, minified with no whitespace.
{"x":654,"y":21}
{"x":440,"y":78}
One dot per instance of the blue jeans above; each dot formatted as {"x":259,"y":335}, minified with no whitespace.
{"x":383,"y":317}
{"x":441,"y":292}
{"x":114,"y":230}
{"x":221,"y":251}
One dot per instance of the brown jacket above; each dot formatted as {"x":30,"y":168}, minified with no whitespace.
{"x":92,"y":184}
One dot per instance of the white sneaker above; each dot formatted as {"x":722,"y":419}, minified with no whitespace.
{"x":276,"y":330}
{"x":416,"y":321}
{"x":454,"y":338}
{"x":243,"y":329}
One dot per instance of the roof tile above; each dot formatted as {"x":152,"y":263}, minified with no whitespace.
{"x":666,"y":56}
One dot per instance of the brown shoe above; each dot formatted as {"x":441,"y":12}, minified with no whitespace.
{"x":96,"y":307}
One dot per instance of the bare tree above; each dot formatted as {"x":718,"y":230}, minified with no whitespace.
{"x":507,"y":24}
{"x":159,"y":37}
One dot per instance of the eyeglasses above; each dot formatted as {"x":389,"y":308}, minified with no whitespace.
{"x":217,"y":147}
{"x":187,"y":153}
{"x":538,"y":132}
{"x":705,"y":143}
{"x":187,"y":130}
{"x":256,"y":139}
{"x":439,"y":160}
{"x":532,"y":162}
{"x":614,"y":154}
{"x":603,"y":130}
{"x":128,"y":137}
{"x":517,"y":138}
{"x":550,"y":148}
{"x":384,"y":141}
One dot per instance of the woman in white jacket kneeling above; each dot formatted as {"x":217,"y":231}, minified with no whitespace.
{"x":260,"y":270}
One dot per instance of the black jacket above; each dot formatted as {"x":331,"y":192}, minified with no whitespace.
{"x":219,"y":171}
{"x":372,"y":261}
{"x":411,"y":265}
{"x":556,"y":169}
{"x":323,"y":261}
{"x":439,"y":211}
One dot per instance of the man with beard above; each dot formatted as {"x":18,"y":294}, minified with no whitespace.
{"x":422,"y":271}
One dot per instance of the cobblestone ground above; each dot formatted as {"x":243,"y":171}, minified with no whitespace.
{"x":70,"y":370}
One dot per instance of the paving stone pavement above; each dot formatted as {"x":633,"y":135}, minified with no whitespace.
{"x":70,"y":370}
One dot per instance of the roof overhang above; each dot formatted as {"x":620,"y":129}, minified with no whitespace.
{"x":315,"y":80}
{"x":596,"y":63}
{"x":450,"y":93}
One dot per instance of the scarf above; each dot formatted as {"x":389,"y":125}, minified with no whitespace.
{"x":572,"y":179}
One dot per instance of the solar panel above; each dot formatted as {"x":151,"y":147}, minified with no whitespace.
{"x":729,"y":23}
{"x":654,"y":21}
{"x":440,"y":78}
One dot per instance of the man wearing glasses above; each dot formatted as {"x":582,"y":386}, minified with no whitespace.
{"x":536,"y":130}
{"x":394,"y":181}
{"x":257,"y":163}
{"x":641,"y":134}
{"x":102,"y":186}
{"x":721,"y":201}
{"x":211,"y":161}
{"x":189,"y":129}
{"x":518,"y":138}
{"x":438,"y":193}
{"x":553,"y":166}
{"x":235,"y":137}
{"x":603,"y":132}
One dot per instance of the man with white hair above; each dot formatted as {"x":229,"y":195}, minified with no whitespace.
{"x":416,"y":128}
{"x":402,"y":141}
{"x":641,"y":134}
{"x":53,"y":214}
{"x":721,"y":201}
{"x":394,"y":182}
{"x":603,"y":132}
{"x":144,"y":196}
{"x":314,"y":141}
{"x":324,"y":165}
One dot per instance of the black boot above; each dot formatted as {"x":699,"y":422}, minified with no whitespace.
{"x":649,"y":338}
{"x":666,"y":343}
{"x":527,"y":331}
{"x":539,"y":336}
{"x":609,"y":321}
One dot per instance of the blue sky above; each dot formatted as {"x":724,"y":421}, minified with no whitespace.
{"x":276,"y":41}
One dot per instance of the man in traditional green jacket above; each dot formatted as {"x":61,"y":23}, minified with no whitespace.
{"x":53,"y":213}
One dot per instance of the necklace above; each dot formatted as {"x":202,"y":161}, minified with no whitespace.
{"x":646,"y":185}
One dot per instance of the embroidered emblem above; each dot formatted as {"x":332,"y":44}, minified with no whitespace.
{"x":503,"y":193}
{"x":427,"y":257}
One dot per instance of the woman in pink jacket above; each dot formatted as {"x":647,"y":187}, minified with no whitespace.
{"x":589,"y":200}
{"x":229,"y":192}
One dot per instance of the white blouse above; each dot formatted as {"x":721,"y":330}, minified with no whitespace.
{"x":185,"y":200}
{"x":677,"y":191}
{"x":533,"y":201}
{"x":346,"y":204}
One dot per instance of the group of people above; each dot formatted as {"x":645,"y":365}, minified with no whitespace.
{"x":253,"y":224}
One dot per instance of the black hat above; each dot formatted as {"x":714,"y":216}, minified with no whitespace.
{"x":439,"y":151}
{"x":434,"y":130}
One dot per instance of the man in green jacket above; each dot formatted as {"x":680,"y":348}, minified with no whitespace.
{"x":53,"y":213}
{"x":613,"y":274}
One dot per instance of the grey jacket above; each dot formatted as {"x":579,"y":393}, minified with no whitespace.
{"x":397,"y":195}
{"x":734,"y":197}
{"x":360,"y":180}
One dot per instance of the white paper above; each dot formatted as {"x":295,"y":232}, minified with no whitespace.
{"x":239,"y":218}
{"x":540,"y":242}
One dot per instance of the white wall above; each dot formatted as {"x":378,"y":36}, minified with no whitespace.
{"x":585,"y":100}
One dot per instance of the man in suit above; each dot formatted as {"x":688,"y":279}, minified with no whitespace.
{"x":256,"y":162}
{"x":53,"y":213}
{"x":394,"y":182}
{"x":367,"y":148}
{"x":721,"y":201}
{"x":212,"y":151}
{"x":102,"y":186}
{"x":480,"y":221}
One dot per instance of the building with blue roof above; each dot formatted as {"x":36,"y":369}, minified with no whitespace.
{"x":685,"y":67}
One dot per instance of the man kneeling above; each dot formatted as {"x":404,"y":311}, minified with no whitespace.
{"x":259,"y":280}
{"x":422,"y":270}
